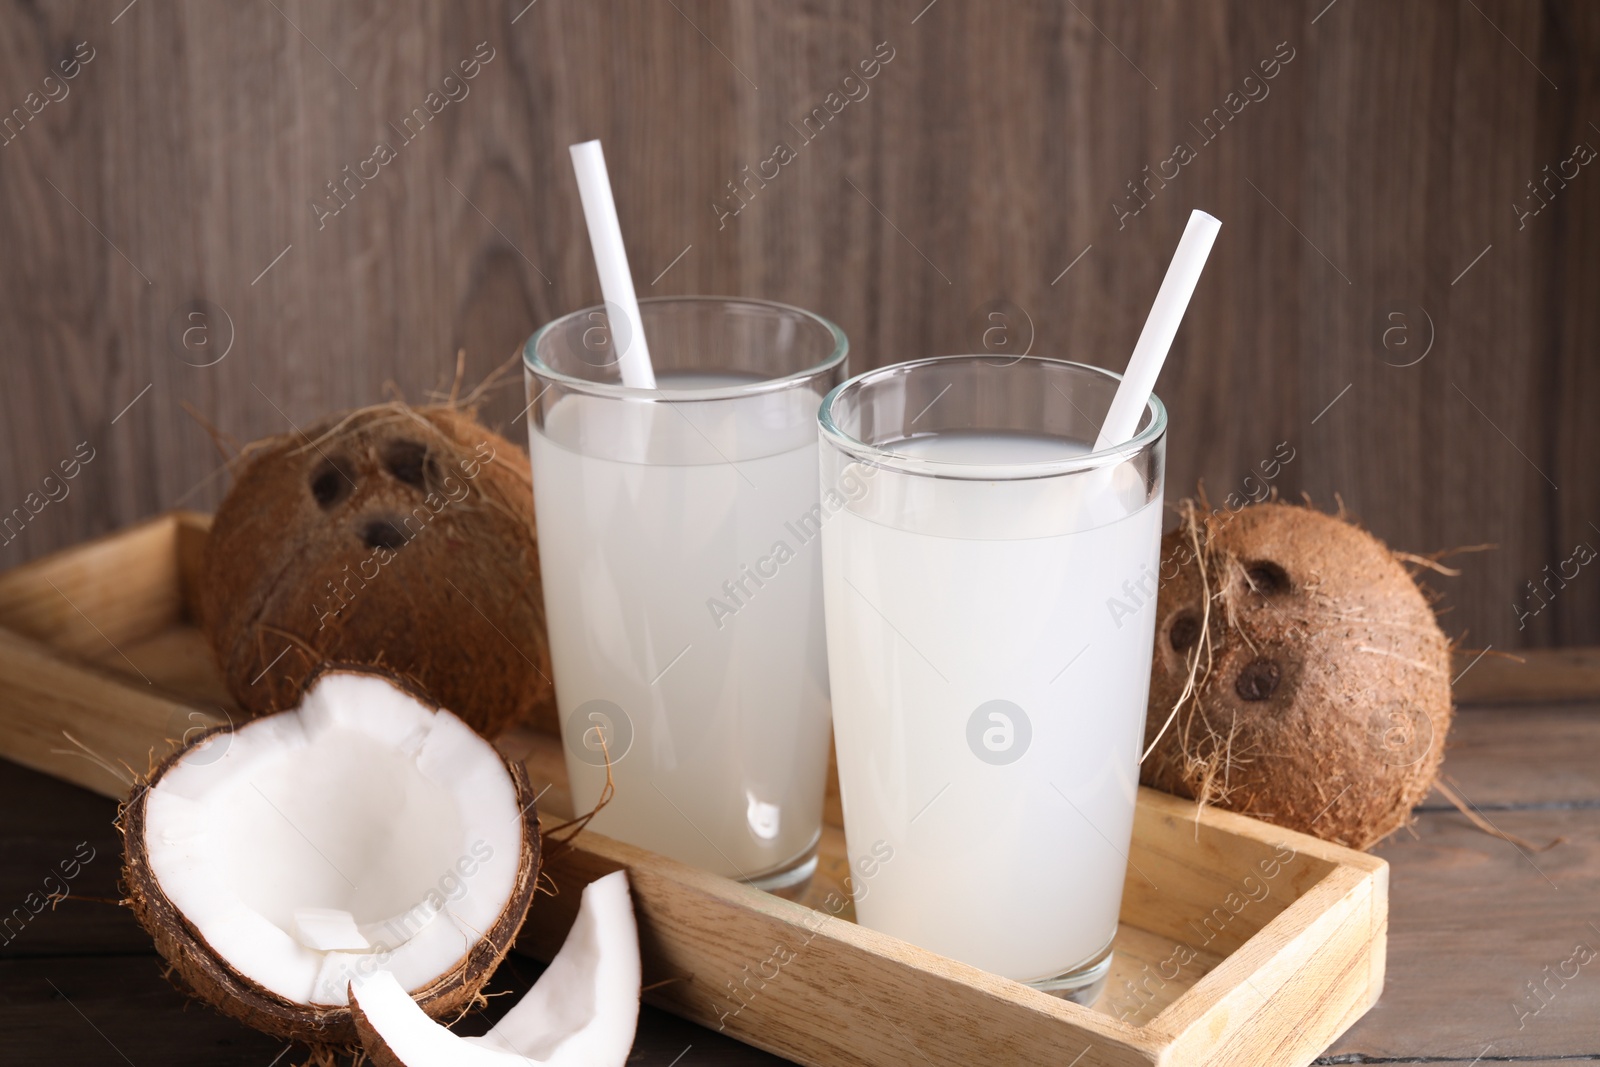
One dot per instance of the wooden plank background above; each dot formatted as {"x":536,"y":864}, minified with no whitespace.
{"x":1370,"y":198}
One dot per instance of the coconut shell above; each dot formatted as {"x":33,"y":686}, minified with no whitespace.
{"x":393,"y":536}
{"x":379,"y":1054}
{"x":1321,"y":679}
{"x":198,"y":970}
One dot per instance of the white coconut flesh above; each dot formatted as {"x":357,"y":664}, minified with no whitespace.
{"x":582,"y":1012}
{"x":362,"y":830}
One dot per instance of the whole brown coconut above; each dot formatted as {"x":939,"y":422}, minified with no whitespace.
{"x":393,"y":536}
{"x":1310,"y":678}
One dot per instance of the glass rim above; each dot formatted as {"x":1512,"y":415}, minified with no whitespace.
{"x":988,"y":472}
{"x":532,"y":362}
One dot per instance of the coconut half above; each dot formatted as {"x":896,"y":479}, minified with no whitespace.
{"x":582,"y":1012}
{"x":365,"y":830}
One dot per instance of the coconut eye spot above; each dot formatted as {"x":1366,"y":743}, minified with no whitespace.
{"x":329,"y":486}
{"x":383,"y":533}
{"x":1258,"y":681}
{"x":409,"y":462}
{"x":1184,"y":631}
{"x":1266,"y":578}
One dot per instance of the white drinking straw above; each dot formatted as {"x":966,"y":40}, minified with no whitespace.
{"x":1105,"y":495}
{"x":1133,"y":395}
{"x":611,"y":259}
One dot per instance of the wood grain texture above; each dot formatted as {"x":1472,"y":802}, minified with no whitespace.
{"x":1269,"y":979}
{"x":1541,"y":675}
{"x":98,"y":957}
{"x":1473,"y":918}
{"x":986,"y":157}
{"x":1511,"y":764}
{"x":1476,"y":925}
{"x":1524,"y":756}
{"x":1312,"y":964}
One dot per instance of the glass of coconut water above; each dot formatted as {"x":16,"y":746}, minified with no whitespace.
{"x":990,"y":584}
{"x":678,"y":545}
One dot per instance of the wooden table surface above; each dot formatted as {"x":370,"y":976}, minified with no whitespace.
{"x":1473,"y":921}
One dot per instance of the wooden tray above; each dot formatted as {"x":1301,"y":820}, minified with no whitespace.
{"x":1239,"y":943}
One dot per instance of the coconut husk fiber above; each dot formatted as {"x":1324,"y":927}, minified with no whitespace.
{"x":1299,"y":674}
{"x":393,"y":536}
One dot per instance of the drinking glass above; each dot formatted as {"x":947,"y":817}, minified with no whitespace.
{"x":682,"y":578}
{"x":990,"y":585}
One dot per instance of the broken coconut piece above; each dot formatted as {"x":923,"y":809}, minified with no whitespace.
{"x":363,"y":830}
{"x":329,"y":929}
{"x":582,"y":1012}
